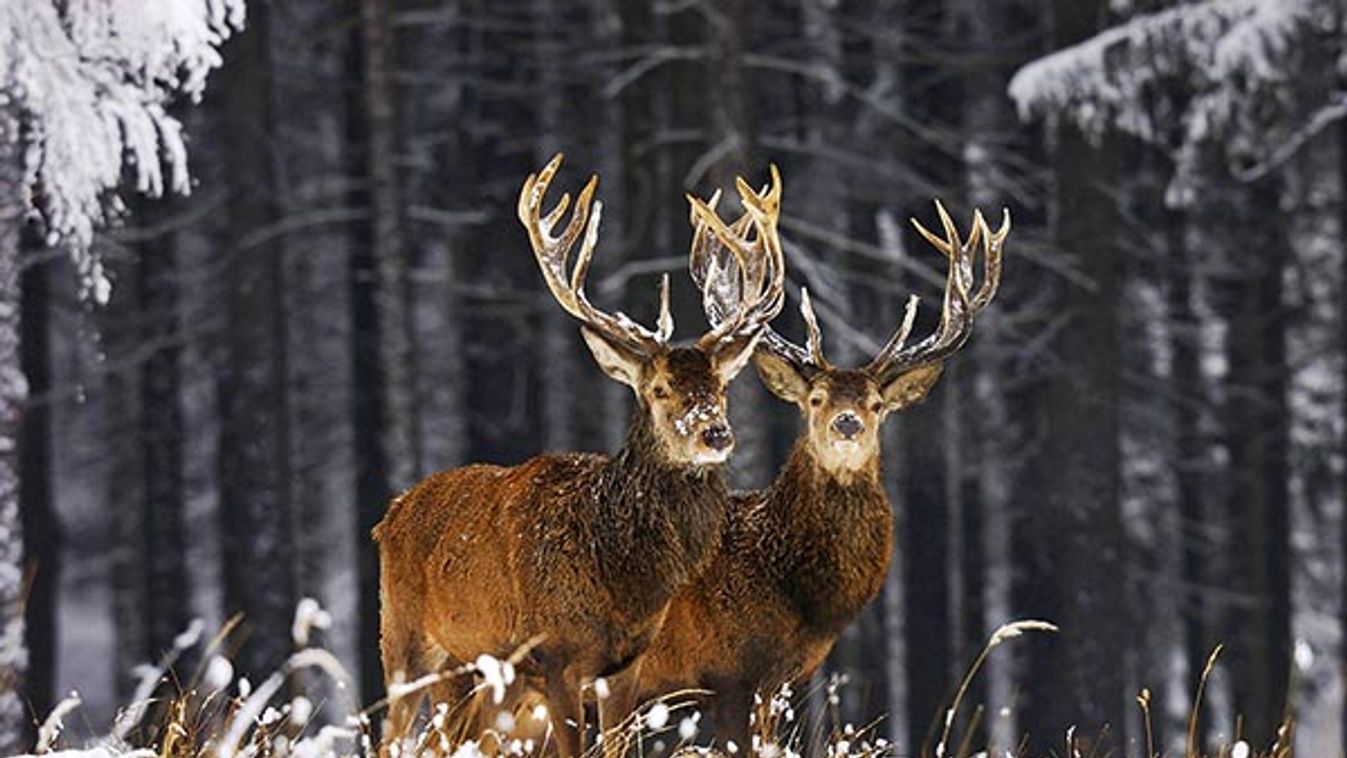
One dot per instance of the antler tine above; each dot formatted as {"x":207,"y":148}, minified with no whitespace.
{"x":730,"y":289}
{"x":768,"y":293}
{"x":665,"y":322}
{"x":899,"y":338}
{"x":552,"y":252}
{"x":720,"y":281}
{"x":813,"y":334}
{"x":960,"y":303}
{"x":991,"y":265}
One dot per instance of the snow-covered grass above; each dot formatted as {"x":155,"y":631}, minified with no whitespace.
{"x":217,"y":713}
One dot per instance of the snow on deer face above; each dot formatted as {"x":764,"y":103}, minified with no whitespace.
{"x":682,"y":391}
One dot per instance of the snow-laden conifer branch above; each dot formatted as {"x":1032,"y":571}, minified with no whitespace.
{"x":92,"y":83}
{"x":1215,"y":72}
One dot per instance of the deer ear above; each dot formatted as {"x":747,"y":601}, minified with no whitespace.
{"x":617,"y":362}
{"x":732,"y":356}
{"x":780,"y":376}
{"x":910,"y":387}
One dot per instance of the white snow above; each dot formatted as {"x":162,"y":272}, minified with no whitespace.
{"x":1232,"y":57}
{"x":309,"y":615}
{"x":92,"y":82}
{"x":497,"y":674}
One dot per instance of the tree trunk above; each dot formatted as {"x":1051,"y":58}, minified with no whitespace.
{"x":1077,"y":526}
{"x":1191,"y":451}
{"x":986,"y":118}
{"x":13,"y":394}
{"x":935,"y":496}
{"x":123,"y":486}
{"x":901,"y":730}
{"x":437,"y":276}
{"x":1342,"y":347}
{"x":167,"y":609}
{"x":558,"y":346}
{"x":40,"y":528}
{"x":924,"y":550}
{"x":1257,"y":630}
{"x":254,"y":445}
{"x":386,"y":439}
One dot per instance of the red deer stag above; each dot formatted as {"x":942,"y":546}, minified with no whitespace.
{"x":800,"y":559}
{"x":578,"y":554}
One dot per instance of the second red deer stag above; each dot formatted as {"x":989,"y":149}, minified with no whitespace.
{"x":800,"y":559}
{"x":578,"y":554}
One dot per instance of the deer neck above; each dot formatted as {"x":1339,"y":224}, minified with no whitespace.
{"x":812,"y":485}
{"x":838,"y":532}
{"x":658,"y":522}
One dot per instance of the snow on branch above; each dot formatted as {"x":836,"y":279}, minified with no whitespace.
{"x":91,"y":82}
{"x":1224,"y":72}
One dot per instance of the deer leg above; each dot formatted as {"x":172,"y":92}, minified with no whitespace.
{"x":615,"y":712}
{"x":733,"y":704}
{"x":404,"y":660}
{"x":455,"y":693}
{"x":567,"y":711}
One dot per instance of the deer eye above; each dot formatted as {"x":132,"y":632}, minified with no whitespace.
{"x":816,"y":400}
{"x":876,"y":407}
{"x":660,"y":392}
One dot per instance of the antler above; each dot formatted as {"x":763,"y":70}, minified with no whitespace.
{"x":720,"y":288}
{"x":960,"y":306}
{"x":552,"y":253}
{"x":743,"y":299}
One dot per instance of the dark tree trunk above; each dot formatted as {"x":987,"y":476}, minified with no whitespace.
{"x":254,"y":446}
{"x":994,"y":437}
{"x":385,"y":437}
{"x":1200,"y":554}
{"x":162,"y":540}
{"x":558,"y":345}
{"x":924,"y":551}
{"x":935,"y":534}
{"x":1076,"y":525}
{"x":40,"y":528}
{"x":124,"y":485}
{"x":440,"y":339}
{"x":1257,"y":629}
{"x":623,"y":122}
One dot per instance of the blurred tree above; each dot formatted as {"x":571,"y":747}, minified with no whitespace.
{"x":13,"y":393}
{"x":385,"y":436}
{"x":39,"y":517}
{"x":1254,"y":418}
{"x":254,"y":465}
{"x":119,"y":325}
{"x":162,"y":539}
{"x":1077,"y":528}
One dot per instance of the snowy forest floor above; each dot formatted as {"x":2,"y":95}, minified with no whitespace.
{"x":305,"y":709}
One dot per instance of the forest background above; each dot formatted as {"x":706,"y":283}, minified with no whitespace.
{"x":1143,"y":442}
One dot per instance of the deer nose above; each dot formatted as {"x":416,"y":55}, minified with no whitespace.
{"x":847,"y":424}
{"x":718,"y":436}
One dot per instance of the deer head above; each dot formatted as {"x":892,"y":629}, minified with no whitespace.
{"x":680,"y":390}
{"x":843,"y":408}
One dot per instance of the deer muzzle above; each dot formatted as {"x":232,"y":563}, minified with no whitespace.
{"x":718,"y":437}
{"x":847,"y":425}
